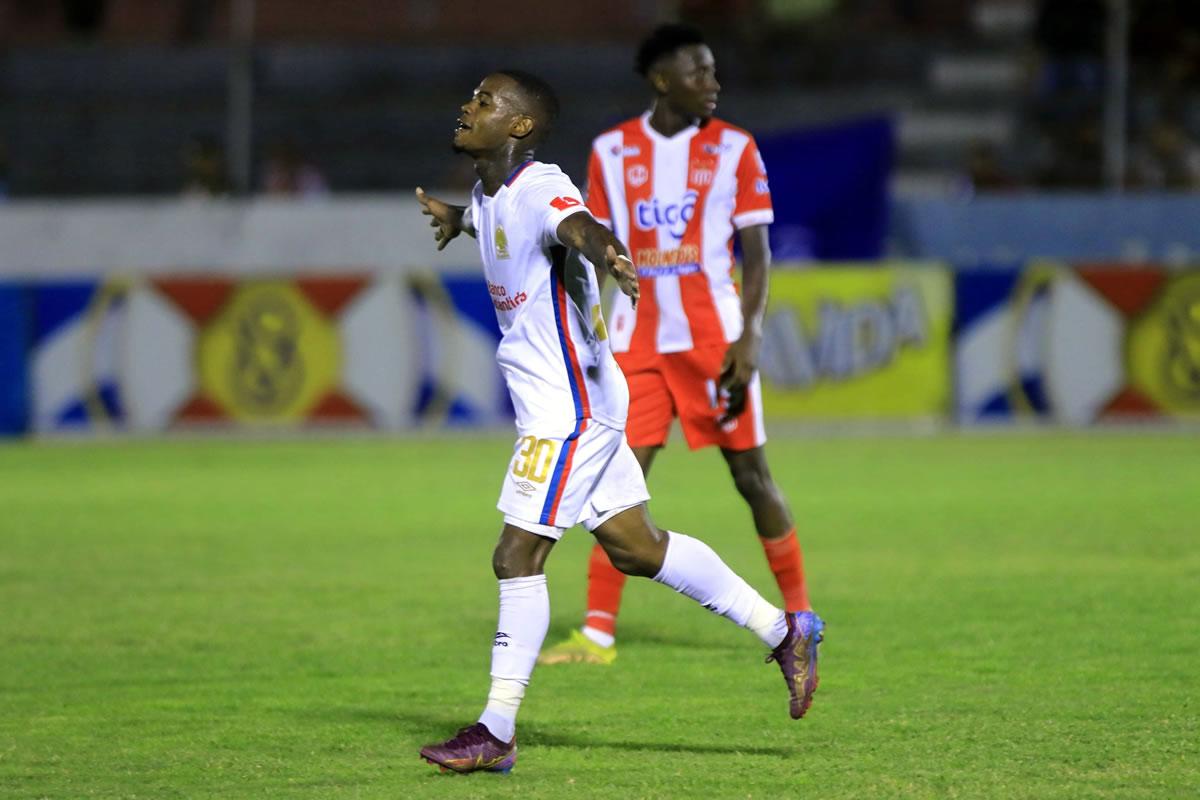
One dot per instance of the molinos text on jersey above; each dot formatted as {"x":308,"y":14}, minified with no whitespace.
{"x":655,"y":263}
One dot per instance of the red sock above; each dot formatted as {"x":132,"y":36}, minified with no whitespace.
{"x":605,"y":583}
{"x":783,"y":555}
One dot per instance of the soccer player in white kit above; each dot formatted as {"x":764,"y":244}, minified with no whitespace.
{"x":571,"y":463}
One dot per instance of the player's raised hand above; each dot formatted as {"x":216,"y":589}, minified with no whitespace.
{"x":621,"y":268}
{"x":445,"y":217}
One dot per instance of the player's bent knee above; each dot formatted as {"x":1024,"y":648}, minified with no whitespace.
{"x":514,"y":565}
{"x":505,"y":564}
{"x":519,"y":554}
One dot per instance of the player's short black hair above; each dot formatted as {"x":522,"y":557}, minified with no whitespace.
{"x":662,"y":41}
{"x":540,"y":95}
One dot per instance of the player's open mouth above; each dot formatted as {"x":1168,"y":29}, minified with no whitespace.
{"x":462,"y":126}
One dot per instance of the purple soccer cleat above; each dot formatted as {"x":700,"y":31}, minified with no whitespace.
{"x":797,"y":659}
{"x":472,"y":749}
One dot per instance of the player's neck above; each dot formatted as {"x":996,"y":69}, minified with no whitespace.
{"x":667,"y":121}
{"x":493,"y":171}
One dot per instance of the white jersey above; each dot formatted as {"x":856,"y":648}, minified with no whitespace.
{"x":553,"y":349}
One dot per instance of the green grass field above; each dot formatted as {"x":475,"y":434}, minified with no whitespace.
{"x":1008,"y":616}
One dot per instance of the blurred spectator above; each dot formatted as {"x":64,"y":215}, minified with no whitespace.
{"x":1164,"y":43}
{"x":1167,"y":157}
{"x":1075,"y":153}
{"x":4,"y":187}
{"x":985,"y":173}
{"x":1070,"y":37}
{"x":799,"y":11}
{"x":288,"y":173}
{"x":205,"y":174}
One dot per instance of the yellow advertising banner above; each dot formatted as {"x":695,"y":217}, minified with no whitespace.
{"x":858,"y":342}
{"x":1162,"y":348}
{"x":269,"y":355}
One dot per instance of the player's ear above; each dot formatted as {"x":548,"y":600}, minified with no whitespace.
{"x":659,"y":80}
{"x":522,"y":126}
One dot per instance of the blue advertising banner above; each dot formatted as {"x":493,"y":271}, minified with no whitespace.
{"x":829,"y":187}
{"x":14,"y":366}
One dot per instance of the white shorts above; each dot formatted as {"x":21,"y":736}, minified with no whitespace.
{"x":556,"y":483}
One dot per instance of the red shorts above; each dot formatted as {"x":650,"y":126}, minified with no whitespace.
{"x":684,"y":385}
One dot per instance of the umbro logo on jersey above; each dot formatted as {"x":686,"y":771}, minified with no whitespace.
{"x":760,"y":186}
{"x":628,"y":151}
{"x":716,"y":149}
{"x":501,"y":639}
{"x":637,"y":175}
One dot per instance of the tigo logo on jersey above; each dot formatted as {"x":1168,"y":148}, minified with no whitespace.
{"x":673,"y":216}
{"x":637,"y":175}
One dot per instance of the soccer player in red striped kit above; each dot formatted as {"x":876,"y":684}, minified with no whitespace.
{"x":674,"y":185}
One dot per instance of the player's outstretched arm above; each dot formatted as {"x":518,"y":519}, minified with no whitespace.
{"x":598,"y":244}
{"x":448,"y":219}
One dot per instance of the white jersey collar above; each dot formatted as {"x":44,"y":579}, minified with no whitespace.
{"x":683,"y":136}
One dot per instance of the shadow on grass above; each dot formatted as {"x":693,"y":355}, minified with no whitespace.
{"x":432,"y":726}
{"x":636,"y":637}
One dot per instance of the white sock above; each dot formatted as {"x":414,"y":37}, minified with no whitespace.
{"x":598,"y":636}
{"x":693,"y":569}
{"x":524,"y":619}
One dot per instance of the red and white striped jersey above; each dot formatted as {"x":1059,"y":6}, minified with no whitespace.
{"x":675,"y":203}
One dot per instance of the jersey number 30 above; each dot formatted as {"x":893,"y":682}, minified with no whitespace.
{"x":534,"y":459}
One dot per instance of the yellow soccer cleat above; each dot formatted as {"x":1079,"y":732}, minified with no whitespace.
{"x":578,"y":649}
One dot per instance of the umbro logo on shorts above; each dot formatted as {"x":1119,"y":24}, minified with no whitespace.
{"x":526,"y":488}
